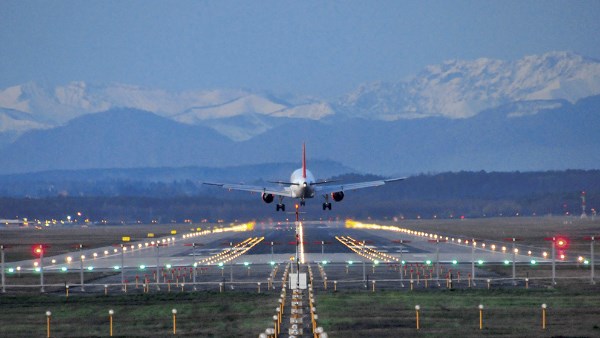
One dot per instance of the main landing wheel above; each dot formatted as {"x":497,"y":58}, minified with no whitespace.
{"x":326,"y":206}
{"x":281,"y":207}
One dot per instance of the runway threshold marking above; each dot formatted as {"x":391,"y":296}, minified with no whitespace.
{"x":233,"y":252}
{"x":368,"y":252}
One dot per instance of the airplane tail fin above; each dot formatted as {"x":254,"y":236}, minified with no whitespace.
{"x":303,"y":160}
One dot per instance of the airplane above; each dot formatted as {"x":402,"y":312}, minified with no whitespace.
{"x":302,"y":185}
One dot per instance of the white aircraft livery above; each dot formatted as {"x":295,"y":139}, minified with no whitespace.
{"x":302,"y":185}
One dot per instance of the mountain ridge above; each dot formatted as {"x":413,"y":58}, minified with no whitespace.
{"x":493,"y":140}
{"x":452,"y":89}
{"x":536,"y":113}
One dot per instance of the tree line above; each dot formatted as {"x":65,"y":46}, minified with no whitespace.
{"x":442,"y":195}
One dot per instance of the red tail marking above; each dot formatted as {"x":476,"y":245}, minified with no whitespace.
{"x":303,"y":160}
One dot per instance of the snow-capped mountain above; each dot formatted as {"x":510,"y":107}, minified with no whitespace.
{"x":17,"y":121}
{"x":461,"y":89}
{"x":13,"y":123}
{"x":51,"y":107}
{"x":453,"y":89}
{"x":552,"y":139}
{"x":247,"y":116}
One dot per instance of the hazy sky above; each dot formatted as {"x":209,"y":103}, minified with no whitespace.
{"x":318,"y":48}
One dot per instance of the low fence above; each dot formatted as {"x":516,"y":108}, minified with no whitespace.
{"x":336,"y":277}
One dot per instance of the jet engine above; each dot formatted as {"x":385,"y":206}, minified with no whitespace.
{"x":268,"y":198}
{"x":337,"y":196}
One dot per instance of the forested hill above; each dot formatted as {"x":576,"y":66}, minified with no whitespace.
{"x":498,"y":185}
{"x":126,"y":198}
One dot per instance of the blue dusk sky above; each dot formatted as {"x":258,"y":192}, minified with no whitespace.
{"x":319,"y":48}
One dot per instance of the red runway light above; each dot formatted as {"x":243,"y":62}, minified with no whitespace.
{"x":562,"y":243}
{"x":38,"y":249}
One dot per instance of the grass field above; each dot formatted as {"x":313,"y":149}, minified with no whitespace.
{"x":444,"y":313}
{"x":202,"y":314}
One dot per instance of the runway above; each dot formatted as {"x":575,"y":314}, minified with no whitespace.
{"x":278,"y":244}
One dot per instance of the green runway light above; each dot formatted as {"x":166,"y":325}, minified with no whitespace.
{"x":428,"y":262}
{"x":63,"y":269}
{"x":221,"y":264}
{"x":586,"y":262}
{"x":533,"y":262}
{"x":246,"y":263}
{"x":454,"y":262}
{"x":168,"y":266}
{"x":324,"y":262}
{"x":37,"y":269}
{"x":90,"y":268}
{"x":506,"y":262}
{"x":116,"y":267}
{"x":375,"y":262}
{"x":11,"y":270}
{"x":403,"y":262}
{"x":480,"y":262}
{"x":272,"y":263}
{"x":350,"y":262}
{"x":142,"y":267}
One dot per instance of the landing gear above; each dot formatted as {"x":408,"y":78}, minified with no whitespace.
{"x":327,"y":204}
{"x":280,"y":205}
{"x":302,"y":203}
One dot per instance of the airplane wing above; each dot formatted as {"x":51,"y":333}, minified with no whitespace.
{"x":326,"y":189}
{"x":254,"y":188}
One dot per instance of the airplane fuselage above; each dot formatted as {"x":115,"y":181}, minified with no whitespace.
{"x":302,"y":185}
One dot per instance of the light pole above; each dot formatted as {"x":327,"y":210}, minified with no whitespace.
{"x":553,"y":261}
{"x":298,"y":239}
{"x":401,"y":242}
{"x":514,"y":258}
{"x":473,"y":262}
{"x":592,"y":259}
{"x":3,"y":270}
{"x":592,"y":239}
{"x":124,"y":239}
{"x":231,"y":265}
{"x":364,"y":266}
{"x":157,"y":265}
{"x":437,"y":258}
{"x":41,"y":247}
{"x":401,"y":267}
{"x":194,"y":263}
{"x":514,"y":269}
{"x":81,"y":267}
{"x":122,"y":265}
